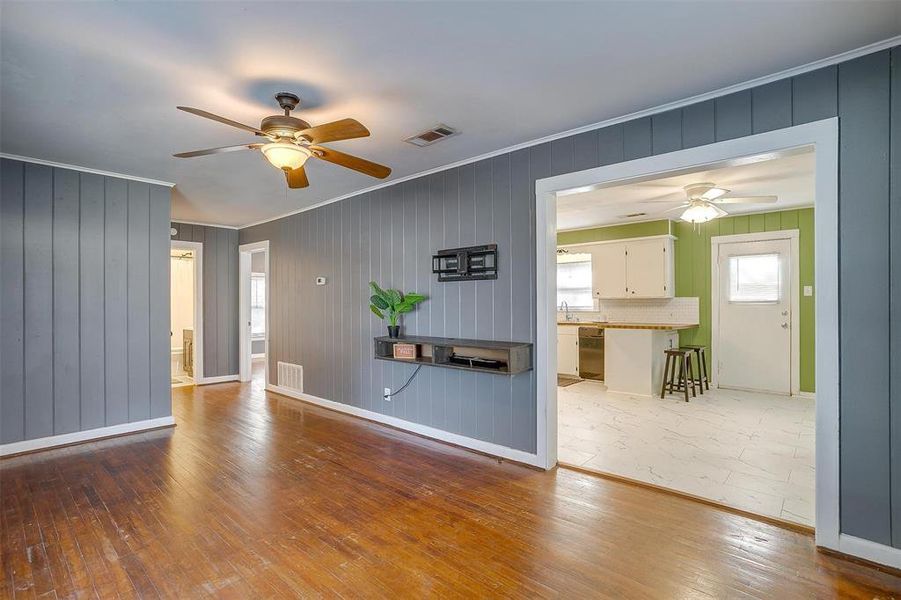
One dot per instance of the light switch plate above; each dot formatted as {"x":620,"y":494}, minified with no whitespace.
{"x":808,"y":290}
{"x":320,"y":281}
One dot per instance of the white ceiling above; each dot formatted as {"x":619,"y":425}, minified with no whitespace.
{"x":96,"y":84}
{"x":790,"y":178}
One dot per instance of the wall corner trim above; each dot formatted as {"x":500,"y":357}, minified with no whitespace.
{"x":52,"y":163}
{"x":90,"y":435}
{"x":424,"y":430}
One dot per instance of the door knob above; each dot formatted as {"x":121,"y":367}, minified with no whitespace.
{"x":784,"y":313}
{"x":784,"y":325}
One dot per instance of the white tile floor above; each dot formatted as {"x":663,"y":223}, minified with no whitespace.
{"x":751,"y":451}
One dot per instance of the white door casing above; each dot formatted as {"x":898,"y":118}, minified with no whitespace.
{"x":244,"y":331}
{"x":753,"y":335}
{"x":823,"y":137}
{"x":197,"y":249}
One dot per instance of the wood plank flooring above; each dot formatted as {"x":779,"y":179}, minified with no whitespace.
{"x":255,"y":495}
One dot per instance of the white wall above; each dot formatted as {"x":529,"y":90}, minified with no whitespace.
{"x":182,"y":298}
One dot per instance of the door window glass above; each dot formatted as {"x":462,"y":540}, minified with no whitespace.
{"x":755,"y":278}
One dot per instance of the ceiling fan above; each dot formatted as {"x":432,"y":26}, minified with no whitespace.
{"x":291,"y":141}
{"x":703,"y":202}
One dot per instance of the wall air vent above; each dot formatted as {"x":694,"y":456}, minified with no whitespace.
{"x":430,"y":136}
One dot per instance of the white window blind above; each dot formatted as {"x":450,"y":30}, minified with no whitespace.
{"x":754,"y":278}
{"x":574,"y":282}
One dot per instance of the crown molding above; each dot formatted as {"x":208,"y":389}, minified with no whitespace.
{"x":181,"y":222}
{"x":752,"y":83}
{"x":52,"y":163}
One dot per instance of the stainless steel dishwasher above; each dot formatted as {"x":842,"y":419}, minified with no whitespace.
{"x":591,"y":353}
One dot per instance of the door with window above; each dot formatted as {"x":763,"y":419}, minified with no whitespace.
{"x":753,"y":342}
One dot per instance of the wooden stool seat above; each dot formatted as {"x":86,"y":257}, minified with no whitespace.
{"x":678,"y":372}
{"x":702,"y":372}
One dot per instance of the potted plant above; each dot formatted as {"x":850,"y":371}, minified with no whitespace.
{"x":392,"y":303}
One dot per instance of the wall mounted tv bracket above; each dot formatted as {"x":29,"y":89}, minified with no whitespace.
{"x":466,"y":264}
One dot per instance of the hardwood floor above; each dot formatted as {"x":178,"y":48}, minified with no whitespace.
{"x":257,"y":495}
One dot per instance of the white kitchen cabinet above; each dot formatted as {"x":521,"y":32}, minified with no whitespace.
{"x":649,"y":268}
{"x":608,"y":270}
{"x":633,"y":269}
{"x":568,"y":350}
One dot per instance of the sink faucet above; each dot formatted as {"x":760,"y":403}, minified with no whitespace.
{"x":564,"y":306}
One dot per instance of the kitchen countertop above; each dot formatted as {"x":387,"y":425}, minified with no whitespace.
{"x":615,"y":325}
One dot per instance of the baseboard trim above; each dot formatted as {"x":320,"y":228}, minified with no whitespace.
{"x":219,"y":379}
{"x":423,"y":430}
{"x":869,"y":551}
{"x":78,"y":437}
{"x":810,"y":395}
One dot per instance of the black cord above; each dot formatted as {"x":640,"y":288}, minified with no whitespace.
{"x":404,"y":386}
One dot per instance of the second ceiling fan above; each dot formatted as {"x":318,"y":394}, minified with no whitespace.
{"x":291,"y":141}
{"x":703,"y":200}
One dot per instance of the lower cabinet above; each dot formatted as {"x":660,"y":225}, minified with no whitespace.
{"x":567,"y":350}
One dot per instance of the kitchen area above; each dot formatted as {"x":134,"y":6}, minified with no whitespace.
{"x":618,"y":313}
{"x":640,"y":299}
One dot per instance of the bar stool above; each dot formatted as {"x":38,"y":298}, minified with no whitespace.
{"x":701,"y":355}
{"x":678,"y":373}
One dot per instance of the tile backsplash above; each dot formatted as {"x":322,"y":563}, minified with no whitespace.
{"x":650,"y":310}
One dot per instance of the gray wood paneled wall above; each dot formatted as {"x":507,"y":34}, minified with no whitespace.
{"x":220,"y":295}
{"x":389,"y":234}
{"x":84,"y":311}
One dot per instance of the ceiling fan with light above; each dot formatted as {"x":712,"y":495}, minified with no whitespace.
{"x":704,"y":200}
{"x":291,"y":141}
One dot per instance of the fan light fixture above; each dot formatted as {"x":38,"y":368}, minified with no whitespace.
{"x":286,"y":156}
{"x":700,"y":213}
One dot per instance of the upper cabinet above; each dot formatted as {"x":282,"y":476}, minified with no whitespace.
{"x":633,"y":268}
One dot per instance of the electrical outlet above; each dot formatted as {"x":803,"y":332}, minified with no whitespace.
{"x":808,"y":290}
{"x":388,"y":394}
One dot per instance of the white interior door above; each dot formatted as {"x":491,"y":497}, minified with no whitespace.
{"x":754,"y":342}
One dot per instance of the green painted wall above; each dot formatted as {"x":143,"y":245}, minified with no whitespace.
{"x":693,"y":272}
{"x":692,"y":263}
{"x":613,"y":232}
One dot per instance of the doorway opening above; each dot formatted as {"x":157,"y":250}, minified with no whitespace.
{"x":254,"y":311}
{"x":722,"y":445}
{"x":186,"y":316}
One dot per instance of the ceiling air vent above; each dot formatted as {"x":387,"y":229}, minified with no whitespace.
{"x":430,"y":136}
{"x":633,"y":215}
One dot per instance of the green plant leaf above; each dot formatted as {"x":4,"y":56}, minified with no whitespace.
{"x":393,"y":296}
{"x":404,"y":308}
{"x":377,"y":290}
{"x":379,"y":302}
{"x":376,"y":312}
{"x":414,"y":298}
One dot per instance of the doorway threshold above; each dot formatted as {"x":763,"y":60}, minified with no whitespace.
{"x":783,"y":523}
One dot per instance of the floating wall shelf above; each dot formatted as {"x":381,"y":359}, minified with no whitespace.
{"x":503,"y":358}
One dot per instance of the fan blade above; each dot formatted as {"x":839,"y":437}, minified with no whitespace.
{"x":682,"y":206}
{"x":351,"y":162}
{"x":297,"y":178}
{"x":748,"y":200}
{"x":714,"y":193}
{"x":218,"y":150}
{"x":345,"y":129}
{"x":211,"y":116}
